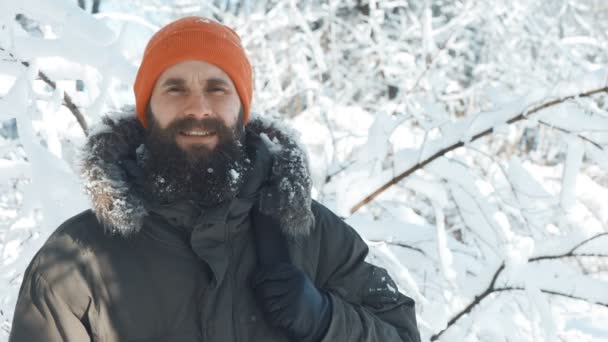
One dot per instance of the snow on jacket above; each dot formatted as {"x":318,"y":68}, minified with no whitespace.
{"x":129,"y":270}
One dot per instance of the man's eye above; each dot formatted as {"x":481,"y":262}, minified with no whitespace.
{"x":217,"y":90}
{"x":175,"y":90}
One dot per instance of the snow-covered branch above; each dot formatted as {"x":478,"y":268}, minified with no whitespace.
{"x":492,"y":288}
{"x":383,"y":94}
{"x":523,"y":114}
{"x":67,"y":100}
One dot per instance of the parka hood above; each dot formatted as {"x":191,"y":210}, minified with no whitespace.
{"x":113,"y":146}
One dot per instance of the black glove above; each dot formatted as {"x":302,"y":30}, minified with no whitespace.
{"x":289,"y":299}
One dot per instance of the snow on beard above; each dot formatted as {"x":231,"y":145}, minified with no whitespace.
{"x":207,"y":175}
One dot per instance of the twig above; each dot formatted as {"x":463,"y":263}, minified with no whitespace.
{"x":571,"y":253}
{"x":330,"y":176}
{"x":400,"y":244}
{"x":67,"y":100}
{"x":471,"y":305}
{"x":571,"y":296}
{"x":567,"y":131}
{"x":551,"y":292}
{"x":524,"y":114}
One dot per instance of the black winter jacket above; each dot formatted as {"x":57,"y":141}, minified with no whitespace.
{"x":129,"y":270}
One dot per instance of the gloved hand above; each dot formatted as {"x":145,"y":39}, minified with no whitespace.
{"x":289,"y":299}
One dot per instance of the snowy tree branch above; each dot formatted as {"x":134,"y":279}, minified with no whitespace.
{"x":67,"y":100}
{"x":571,"y":253}
{"x":567,"y":131}
{"x":522,"y":115}
{"x":551,"y":292}
{"x":492,"y":289}
{"x":471,"y":305}
{"x":555,"y":293}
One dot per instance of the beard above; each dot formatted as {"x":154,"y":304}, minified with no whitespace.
{"x":207,"y":175}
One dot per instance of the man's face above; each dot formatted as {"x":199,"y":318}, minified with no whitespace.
{"x":195,"y":135}
{"x":190,"y":99}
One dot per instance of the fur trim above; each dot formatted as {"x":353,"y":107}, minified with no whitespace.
{"x":288,"y":196}
{"x":117,"y":206}
{"x":120,"y":208}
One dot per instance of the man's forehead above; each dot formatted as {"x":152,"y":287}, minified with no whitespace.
{"x":189,"y":71}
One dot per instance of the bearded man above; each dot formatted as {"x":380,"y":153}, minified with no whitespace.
{"x":203,"y":227}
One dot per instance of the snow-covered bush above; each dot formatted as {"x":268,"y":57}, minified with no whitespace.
{"x":465,"y":140}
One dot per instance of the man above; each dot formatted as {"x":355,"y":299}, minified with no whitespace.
{"x":203,"y":228}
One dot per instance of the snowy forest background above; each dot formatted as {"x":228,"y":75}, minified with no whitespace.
{"x":466,"y":140}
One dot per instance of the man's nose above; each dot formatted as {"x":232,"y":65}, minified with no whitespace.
{"x":198,"y":107}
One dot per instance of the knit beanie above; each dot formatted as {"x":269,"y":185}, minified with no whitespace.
{"x":194,"y":38}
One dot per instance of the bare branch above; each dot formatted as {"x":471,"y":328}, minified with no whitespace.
{"x":67,"y":100}
{"x":400,"y":244}
{"x":581,"y":255}
{"x":551,"y":292}
{"x":571,"y":296}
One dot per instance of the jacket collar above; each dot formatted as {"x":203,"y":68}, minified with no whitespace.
{"x":108,"y":157}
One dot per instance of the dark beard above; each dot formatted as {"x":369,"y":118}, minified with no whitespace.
{"x":207,"y":176}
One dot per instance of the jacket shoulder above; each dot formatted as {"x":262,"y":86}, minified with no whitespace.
{"x":72,"y":238}
{"x":79,"y":233}
{"x":64,"y":260}
{"x":331,"y":226}
{"x":336,"y":243}
{"x":323,"y":215}
{"x":69,"y":241}
{"x":77,"y":224}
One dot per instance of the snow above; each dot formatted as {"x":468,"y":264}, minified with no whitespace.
{"x":234,"y":175}
{"x":529,"y":189}
{"x":574,"y":161}
{"x":445,"y":255}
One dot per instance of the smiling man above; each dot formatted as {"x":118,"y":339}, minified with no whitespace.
{"x":208,"y":139}
{"x":202,"y":227}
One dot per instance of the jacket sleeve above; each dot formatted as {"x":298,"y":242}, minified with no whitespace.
{"x":41,"y":315}
{"x":367,"y":306}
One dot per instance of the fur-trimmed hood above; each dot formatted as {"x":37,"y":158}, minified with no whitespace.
{"x":112,"y":148}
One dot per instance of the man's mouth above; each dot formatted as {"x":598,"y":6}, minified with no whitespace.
{"x":197,"y":133}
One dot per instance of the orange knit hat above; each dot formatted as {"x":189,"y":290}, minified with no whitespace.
{"x":199,"y":39}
